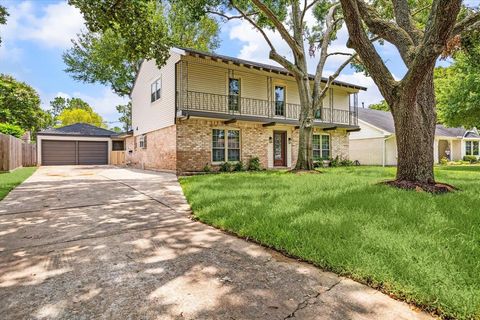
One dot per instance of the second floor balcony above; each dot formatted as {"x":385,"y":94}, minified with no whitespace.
{"x":235,"y":106}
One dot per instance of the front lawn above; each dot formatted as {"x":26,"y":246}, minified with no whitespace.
{"x":10,"y":180}
{"x":420,"y":247}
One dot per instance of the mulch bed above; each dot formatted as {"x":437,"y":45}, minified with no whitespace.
{"x":437,"y":188}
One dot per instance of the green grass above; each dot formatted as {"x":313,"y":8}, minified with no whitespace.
{"x":420,"y":247}
{"x":10,"y":180}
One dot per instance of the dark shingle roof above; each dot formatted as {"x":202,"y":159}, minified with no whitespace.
{"x":263,"y":66}
{"x":78,"y":129}
{"x":384,"y":121}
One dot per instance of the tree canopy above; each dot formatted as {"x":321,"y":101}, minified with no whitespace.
{"x":382,"y":106}
{"x":458,"y":92}
{"x":20,"y":105}
{"x":125,"y":111}
{"x":3,"y":17}
{"x":77,"y":115}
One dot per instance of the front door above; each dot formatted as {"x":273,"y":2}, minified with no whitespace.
{"x":279,"y":149}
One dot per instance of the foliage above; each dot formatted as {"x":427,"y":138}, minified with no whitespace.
{"x":254,"y":164}
{"x":140,"y":30}
{"x":207,"y":168}
{"x":225,"y":167}
{"x":408,"y":245}
{"x":3,"y":17}
{"x":458,"y":92}
{"x":11,"y":129}
{"x":340,"y":162}
{"x":471,"y":159}
{"x":60,"y":104}
{"x":101,"y":58}
{"x":20,"y":105}
{"x":444,"y":161}
{"x":10,"y":180}
{"x":72,"y":116}
{"x":382,"y":106}
{"x":116,"y":129}
{"x":125,"y":111}
{"x":238,"y":166}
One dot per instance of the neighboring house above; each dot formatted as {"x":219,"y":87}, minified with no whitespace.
{"x":204,"y":109}
{"x":79,"y":143}
{"x":375,"y":143}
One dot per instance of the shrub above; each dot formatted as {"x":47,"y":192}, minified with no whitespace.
{"x":11,"y":129}
{"x":238,"y":166}
{"x":254,"y":164}
{"x":444,"y":161}
{"x":340,"y":162}
{"x":226,"y":167}
{"x":471,"y":159}
{"x":207,"y":168}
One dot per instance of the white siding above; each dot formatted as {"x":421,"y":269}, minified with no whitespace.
{"x":148,"y":116}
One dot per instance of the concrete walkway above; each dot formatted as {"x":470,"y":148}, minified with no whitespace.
{"x":110,"y":243}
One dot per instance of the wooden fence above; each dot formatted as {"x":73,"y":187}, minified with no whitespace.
{"x":15,"y":153}
{"x":117,"y":157}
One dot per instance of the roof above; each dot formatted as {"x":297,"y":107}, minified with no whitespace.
{"x":78,"y":129}
{"x":262,"y":66}
{"x":384,"y":120}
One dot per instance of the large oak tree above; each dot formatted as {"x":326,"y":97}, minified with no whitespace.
{"x":411,"y":99}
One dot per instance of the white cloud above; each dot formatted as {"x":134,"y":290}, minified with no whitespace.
{"x":52,"y":25}
{"x":104,"y":104}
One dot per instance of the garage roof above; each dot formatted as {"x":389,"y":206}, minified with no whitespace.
{"x":384,"y":121}
{"x":78,"y":129}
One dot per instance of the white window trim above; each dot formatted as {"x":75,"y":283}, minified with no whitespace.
{"x":156,"y":82}
{"x":465,"y":148}
{"x":277,"y":83}
{"x":141,"y":141}
{"x":226,"y":129}
{"x":329,"y":143}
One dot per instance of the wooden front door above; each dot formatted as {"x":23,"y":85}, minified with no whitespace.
{"x":279,"y":149}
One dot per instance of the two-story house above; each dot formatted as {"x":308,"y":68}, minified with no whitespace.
{"x":204,"y":109}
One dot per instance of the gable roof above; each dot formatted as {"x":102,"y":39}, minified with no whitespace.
{"x":78,"y":129}
{"x":261,"y":66}
{"x":384,"y":121}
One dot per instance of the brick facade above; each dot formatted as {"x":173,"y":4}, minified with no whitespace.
{"x":194,"y":142}
{"x":160,"y":152}
{"x":187,"y":146}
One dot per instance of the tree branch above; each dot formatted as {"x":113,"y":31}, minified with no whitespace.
{"x":280,"y":27}
{"x":339,"y":53}
{"x":387,"y":30}
{"x":273,"y":52}
{"x":438,"y":30}
{"x":359,"y":40}
{"x":332,"y":77}
{"x":307,"y":7}
{"x":403,"y":17}
{"x":468,"y":22}
{"x":227,"y":17}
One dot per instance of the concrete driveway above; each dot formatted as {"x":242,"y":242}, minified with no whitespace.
{"x":103,"y":242}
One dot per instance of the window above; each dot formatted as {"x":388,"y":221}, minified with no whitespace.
{"x":472,"y":148}
{"x":142,"y":143}
{"x":321,"y":147}
{"x":156,"y":90}
{"x":233,"y":94}
{"x":118,"y":145}
{"x":222,"y":150}
{"x":279,"y":101}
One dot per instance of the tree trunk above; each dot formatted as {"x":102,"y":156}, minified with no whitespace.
{"x":305,"y":150}
{"x":415,"y":120}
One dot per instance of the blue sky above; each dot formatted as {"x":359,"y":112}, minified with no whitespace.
{"x":38,"y":32}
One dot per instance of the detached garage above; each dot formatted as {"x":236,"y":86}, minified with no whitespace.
{"x":76,"y":144}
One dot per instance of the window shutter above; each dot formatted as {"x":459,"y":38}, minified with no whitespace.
{"x":145,"y":141}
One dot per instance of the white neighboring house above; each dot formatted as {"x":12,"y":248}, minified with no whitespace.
{"x":375,"y":143}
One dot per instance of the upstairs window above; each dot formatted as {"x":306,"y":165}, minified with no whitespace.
{"x":472,"y":148}
{"x":321,"y":147}
{"x":279,"y":100}
{"x":156,"y":90}
{"x":233,"y":94}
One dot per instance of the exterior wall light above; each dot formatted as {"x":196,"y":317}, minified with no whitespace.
{"x":270,"y":139}
{"x":289,"y":140}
